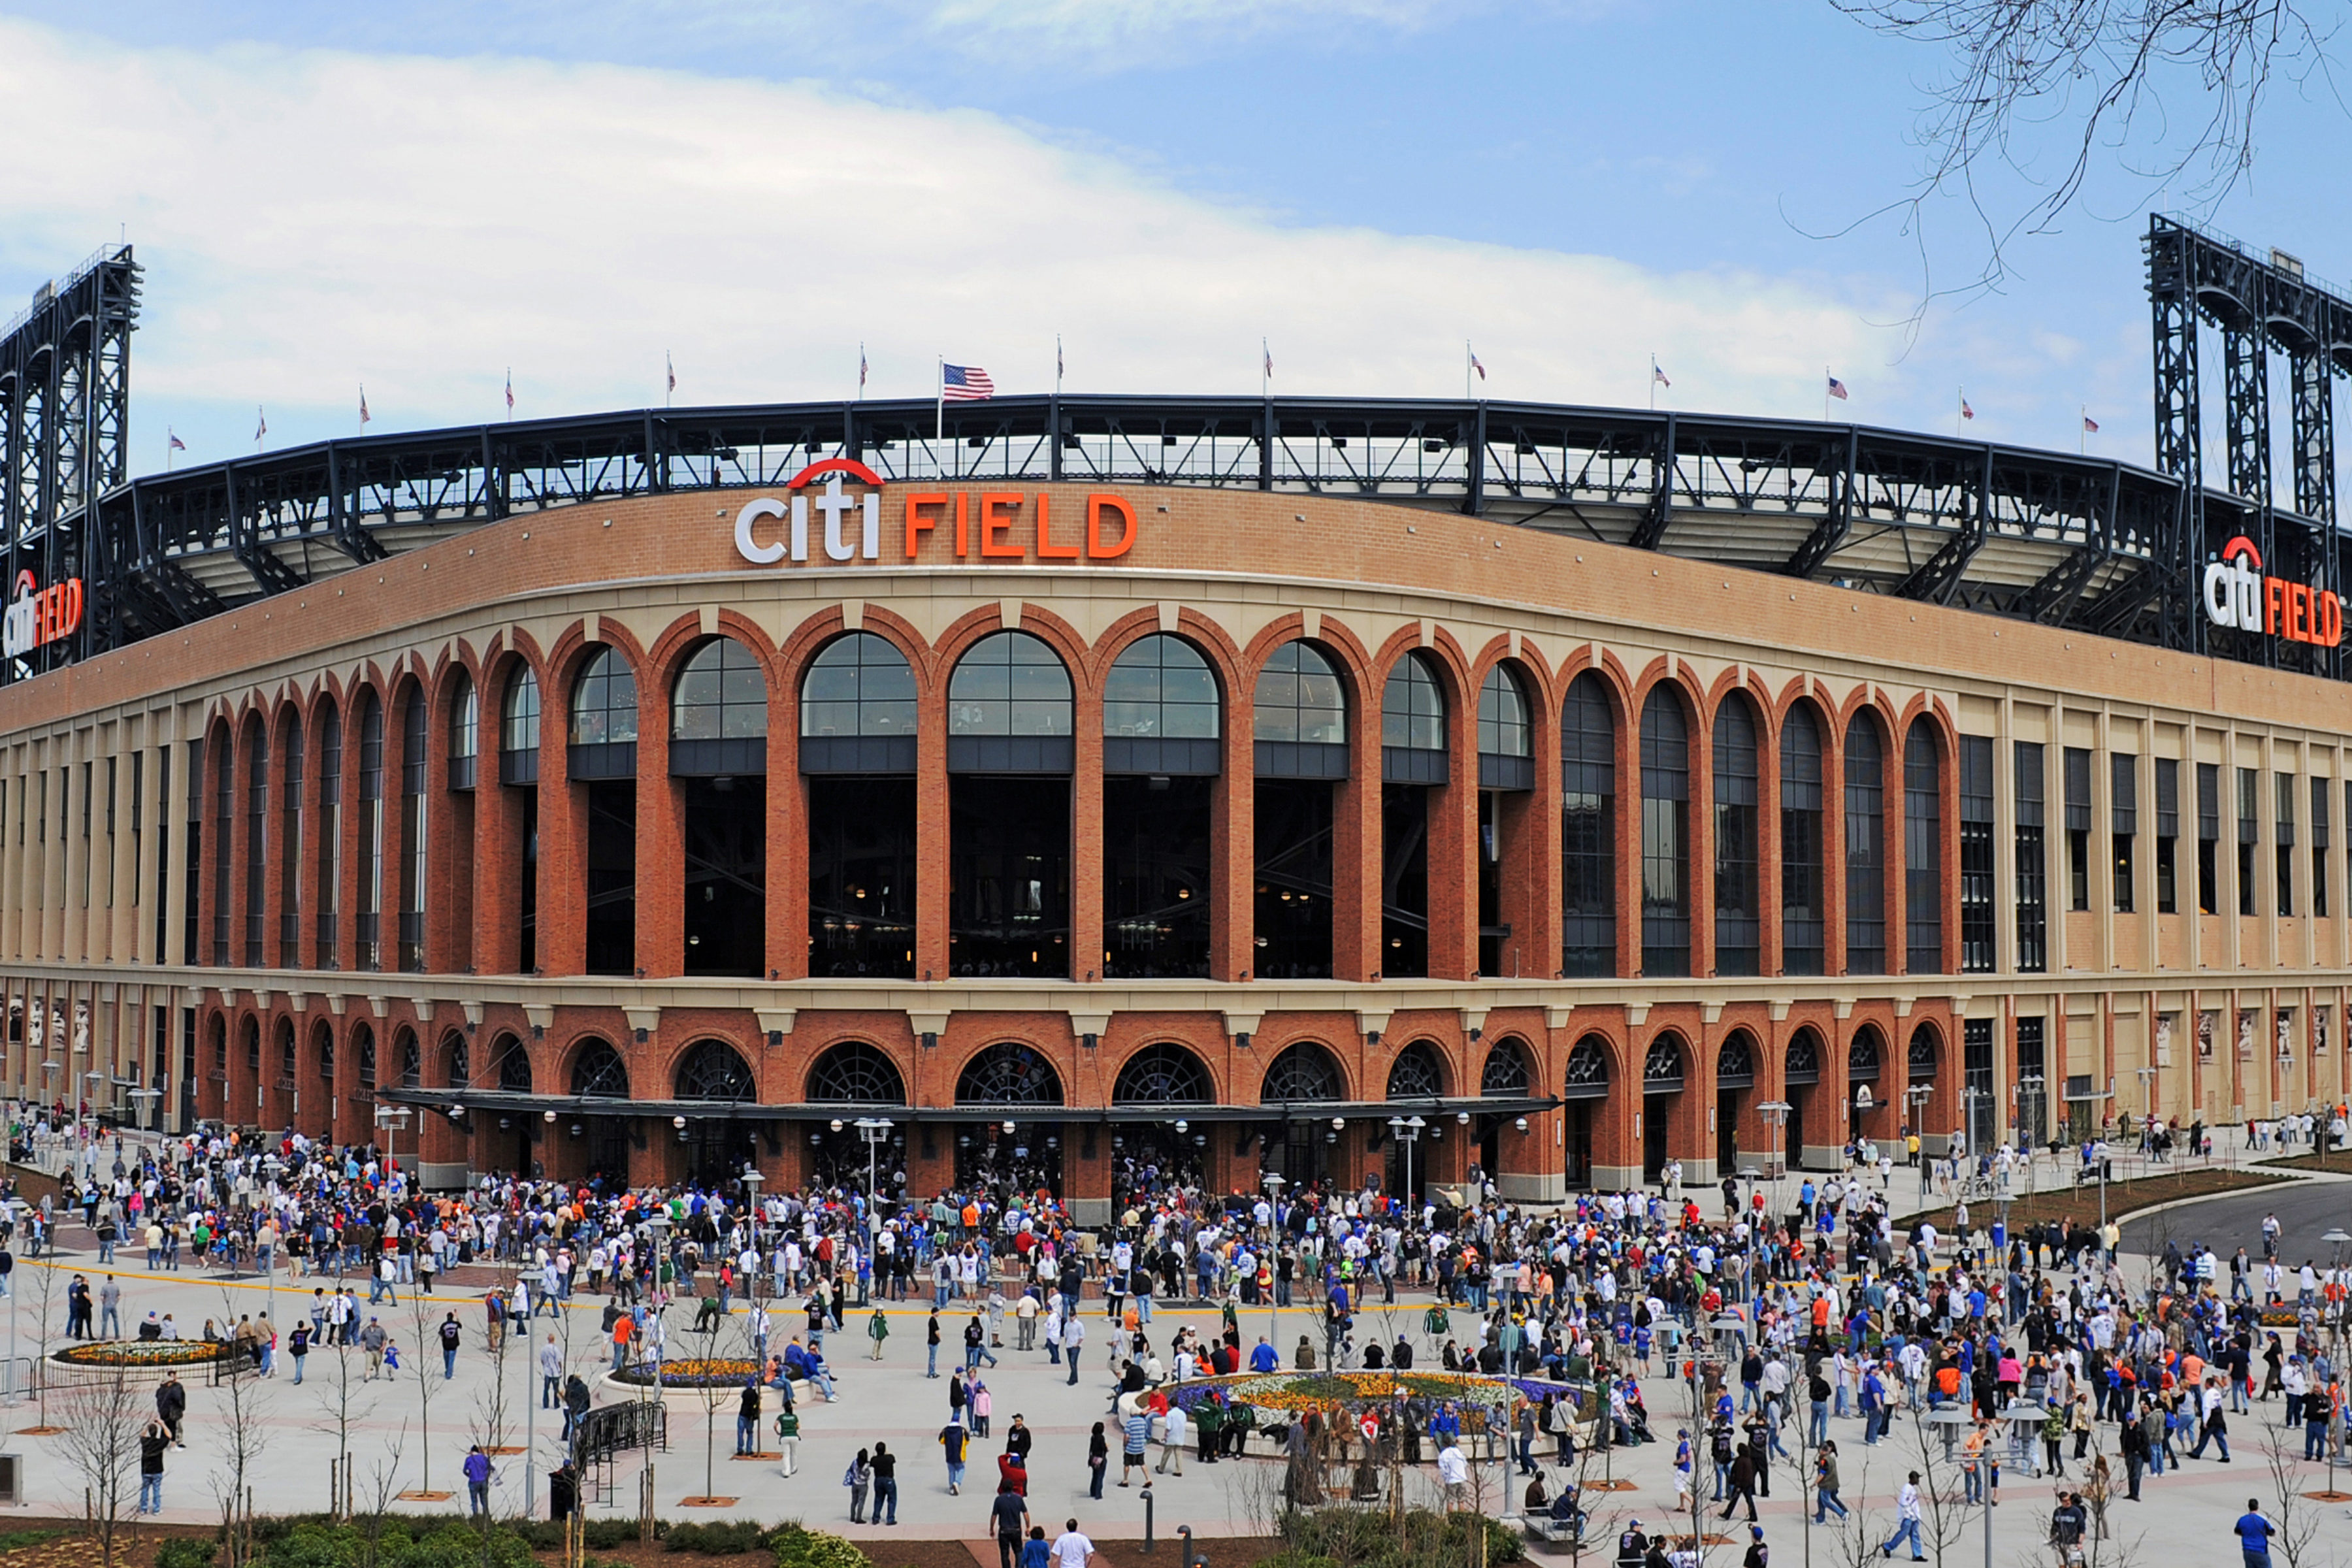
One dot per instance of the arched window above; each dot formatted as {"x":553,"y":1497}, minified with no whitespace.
{"x":1163,"y":1074}
{"x":459,"y":1059}
{"x":290,"y":847}
{"x":1801,"y":904}
{"x":604,"y":718}
{"x":1009,"y":1073}
{"x":256,"y":839}
{"x":1506,"y":733}
{"x":1662,"y":1069}
{"x":1923,"y":853}
{"x":1299,"y":715}
{"x":1588,"y":831}
{"x":465,"y":731}
{"x":1862,"y":1057}
{"x":1865,"y":849}
{"x":1665,"y":835}
{"x":1507,"y":1074}
{"x":329,"y":830}
{"x":1739,"y":930}
{"x":1160,"y":710}
{"x":519,"y":730}
{"x":413,"y":723}
{"x":599,"y":1073}
{"x":322,"y":1042}
{"x":1412,"y":725}
{"x":371,"y":910}
{"x":856,"y":1073}
{"x":1588,"y":1070}
{"x":1804,"y":1058}
{"x":858,"y":708}
{"x":510,"y":1060}
{"x":1919,"y":1062}
{"x":1303,"y":1072}
{"x":1417,"y":1074}
{"x":1009,"y":708}
{"x":1734,"y":1065}
{"x":287,"y":1063}
{"x":411,"y":1060}
{"x":719,"y":713}
{"x":713,"y":1070}
{"x":363,"y":1051}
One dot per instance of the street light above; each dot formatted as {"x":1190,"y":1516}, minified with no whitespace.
{"x":1274,"y":1182}
{"x":1776,"y":1113}
{"x":1917,"y":1097}
{"x":392,"y":1119}
{"x":751,"y":1180}
{"x":1406,"y":1129}
{"x":2029,"y":1088}
{"x":2337,"y":1239}
{"x":876,"y":1130}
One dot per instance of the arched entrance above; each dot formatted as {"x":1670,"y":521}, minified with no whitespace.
{"x":1302,"y":1078}
{"x":717,"y":1146}
{"x":1168,"y":1150}
{"x":1864,"y":1105}
{"x":1661,"y":1086}
{"x":1801,"y":1079}
{"x":598,"y":1073}
{"x":1585,"y":1090}
{"x":1015,"y":1149}
{"x":859,"y":1079}
{"x":1735,"y":1084}
{"x":1416,"y":1083}
{"x":1509,"y":1074}
{"x":1922,"y":1062}
{"x":518,"y":1130}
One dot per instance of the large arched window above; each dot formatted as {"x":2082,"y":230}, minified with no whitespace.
{"x":1734,"y":1065}
{"x":1010,"y":749}
{"x":1506,"y":733}
{"x":465,"y":731}
{"x":719,"y":713}
{"x":1664,"y":1064}
{"x":1299,"y":715}
{"x":604,"y":718}
{"x":1588,"y":1070}
{"x":1665,"y":835}
{"x":713,"y":1070}
{"x":1163,"y":1074}
{"x":1009,"y":1073}
{"x":1865,"y":847}
{"x":599,"y":1073}
{"x":1507,"y":1074}
{"x":1303,"y":1073}
{"x":519,"y":728}
{"x":290,"y":847}
{"x":1160,"y":710}
{"x":413,"y":723}
{"x":372,"y":825}
{"x":1801,"y":892}
{"x":1923,"y":853}
{"x":856,"y":1073}
{"x":510,"y":1061}
{"x":1588,"y":830}
{"x":858,"y":708}
{"x":1009,"y":708}
{"x":1417,"y":1074}
{"x":1412,"y":725}
{"x":1738,"y":929}
{"x":257,"y":838}
{"x":329,"y":831}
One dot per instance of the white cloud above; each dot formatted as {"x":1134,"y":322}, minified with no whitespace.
{"x":310,"y":220}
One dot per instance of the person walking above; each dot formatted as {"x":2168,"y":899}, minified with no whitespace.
{"x":878,"y":1328}
{"x":1133,"y":1454}
{"x":931,"y":1339}
{"x":153,"y":1439}
{"x":1097,"y":1462}
{"x":1825,"y":1484}
{"x":2216,"y":1424}
{"x":477,"y":1480}
{"x":171,"y":1406}
{"x":2254,"y":1531}
{"x":1073,"y":1335}
{"x":1073,"y":1550}
{"x":551,"y":1375}
{"x":955,"y":1440}
{"x":788,"y":1438}
{"x":1906,"y":1513}
{"x":1742,"y":1483}
{"x":372,"y":1340}
{"x":1171,"y":1440}
{"x":747,"y":1420}
{"x":450,"y":1335}
{"x":859,"y":1479}
{"x":1008,"y":1515}
{"x":886,"y":1484}
{"x":298,"y":1345}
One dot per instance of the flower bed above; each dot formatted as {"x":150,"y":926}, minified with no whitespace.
{"x":142,"y":1354}
{"x":693,"y":1372}
{"x":1479,"y":1398}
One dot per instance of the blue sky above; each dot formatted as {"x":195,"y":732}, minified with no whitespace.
{"x":417,"y":197}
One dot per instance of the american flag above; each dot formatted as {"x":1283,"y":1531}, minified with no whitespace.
{"x":2090,"y":425}
{"x":1837,"y":389}
{"x":965,"y":384}
{"x":1658,"y":376}
{"x":1477,"y":366}
{"x":177,"y":445}
{"x":1967,"y":412}
{"x":363,"y":412}
{"x":510,"y":390}
{"x":261,"y":418}
{"x":861,"y":367}
{"x":670,"y":365}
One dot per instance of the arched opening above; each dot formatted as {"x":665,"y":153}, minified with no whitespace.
{"x":1585,"y":1088}
{"x":1010,"y":753}
{"x":249,"y":1037}
{"x":1801,"y":892}
{"x":1801,"y":1079}
{"x":1923,"y":852}
{"x":717,"y":1146}
{"x":1663,"y":1069}
{"x":718,"y":759}
{"x":1507,"y":781}
{"x":288,"y":1100}
{"x":465,"y":731}
{"x":414,"y":721}
{"x":1866,"y":1106}
{"x":1299,"y":750}
{"x":1665,"y":835}
{"x":1509,"y":1074}
{"x":1865,"y":847}
{"x":1588,"y":831}
{"x":1151,"y":1156}
{"x":1162,"y":756}
{"x":598,"y":1073}
{"x":372,"y":848}
{"x":858,"y":757}
{"x":602,"y":758}
{"x":290,"y":848}
{"x":1922,"y":1067}
{"x":1302,"y":1078}
{"x":329,"y":830}
{"x":519,"y":772}
{"x":1017,"y":1148}
{"x":859,"y":1080}
{"x":1735,"y":1088}
{"x":1413,"y":762}
{"x":517,"y":1129}
{"x":1738,"y":925}
{"x":1416,"y":1082}
{"x":257,"y":837}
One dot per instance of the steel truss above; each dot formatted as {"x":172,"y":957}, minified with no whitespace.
{"x":64,"y":391}
{"x":2260,"y":306}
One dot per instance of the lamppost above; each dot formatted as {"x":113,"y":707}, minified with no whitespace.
{"x":1917,"y":1098}
{"x":1406,"y":1129}
{"x":2028,"y":1090}
{"x":392,"y":1119}
{"x":751,"y":1183}
{"x":272,"y":1167}
{"x":2286,"y":1085}
{"x":1273,"y":1182}
{"x":16,"y":1211}
{"x":2146,"y":1076}
{"x":1748,"y":1174}
{"x":2336,"y":1239}
{"x":146,"y":1111}
{"x":49,"y":1070}
{"x":1775,"y":1113}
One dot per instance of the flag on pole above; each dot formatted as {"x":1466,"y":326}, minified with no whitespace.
{"x":177,"y":445}
{"x":1657,"y":375}
{"x":1477,"y":366}
{"x":861,"y":367}
{"x":670,"y":365}
{"x":510,"y":389}
{"x":964,"y":383}
{"x":1267,"y":354}
{"x":1057,"y":359}
{"x":2090,"y":425}
{"x":1966,"y":412}
{"x":364,"y":409}
{"x":261,"y":424}
{"x":1837,"y":389}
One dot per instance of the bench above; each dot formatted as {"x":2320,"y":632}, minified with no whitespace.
{"x":1551,"y":1535}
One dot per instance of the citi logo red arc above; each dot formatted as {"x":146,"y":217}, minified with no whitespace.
{"x":994,"y":526}
{"x":2237,"y":594}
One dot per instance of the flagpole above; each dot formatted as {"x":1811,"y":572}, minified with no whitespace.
{"x":1653,"y":383}
{"x":1467,"y":357}
{"x":1957,"y":414}
{"x":1264,"y":378}
{"x":2082,"y":431}
{"x":1058,"y":364}
{"x":1825,"y":394}
{"x":940,"y":429}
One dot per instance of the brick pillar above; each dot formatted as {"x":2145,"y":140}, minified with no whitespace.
{"x":1085,"y":1179}
{"x":1085,"y":948}
{"x":1356,"y":850}
{"x":1616,"y":1143}
{"x":562,"y":922}
{"x":1232,"y":843}
{"x":931,"y":848}
{"x":660,"y":838}
{"x":1453,"y":850}
{"x":787,"y":906}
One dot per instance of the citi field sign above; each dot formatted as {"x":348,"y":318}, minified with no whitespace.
{"x":2237,"y":594}
{"x":985,"y":526}
{"x":38,"y":615}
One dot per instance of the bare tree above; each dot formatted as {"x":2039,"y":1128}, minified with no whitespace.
{"x":105,"y":1414}
{"x":2297,"y":1520}
{"x":383,"y":1490}
{"x":342,"y":1405}
{"x":2087,"y":76}
{"x":45,"y":1299}
{"x":428,"y":1364}
{"x":242,"y":1435}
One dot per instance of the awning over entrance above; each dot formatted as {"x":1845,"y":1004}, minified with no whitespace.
{"x":502,"y":1102}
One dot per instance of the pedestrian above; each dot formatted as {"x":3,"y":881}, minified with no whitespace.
{"x":1073,"y":1550}
{"x":477,"y":1480}
{"x":980,"y":1404}
{"x":1742,"y":1483}
{"x":1454,"y":1474}
{"x":1097,"y":1462}
{"x":747,"y":1420}
{"x":1171,"y":1440}
{"x":298,"y":1346}
{"x":372,"y":1340}
{"x":450,"y":1334}
{"x":153,"y":1439}
{"x":955,"y":1440}
{"x":1073,"y":1335}
{"x":931,"y":1338}
{"x":172,"y":1404}
{"x":2254,"y":1531}
{"x":563,"y":1486}
{"x":1008,"y":1515}
{"x":551,"y":1375}
{"x":886,"y":1484}
{"x":1906,"y":1510}
{"x":1133,"y":1456}
{"x":1826,"y":1483}
{"x":859,"y":1479}
{"x":788,"y":1438}
{"x":878,"y":1328}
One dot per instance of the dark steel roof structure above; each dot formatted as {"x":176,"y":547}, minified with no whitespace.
{"x":2051,"y":537}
